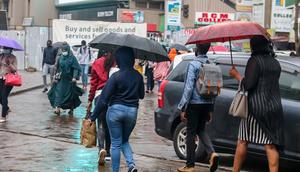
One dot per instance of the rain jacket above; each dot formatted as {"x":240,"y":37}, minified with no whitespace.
{"x":124,"y":87}
{"x":190,"y":93}
{"x":172,"y":54}
{"x":49,"y":56}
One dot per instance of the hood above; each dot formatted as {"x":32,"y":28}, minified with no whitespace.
{"x":125,"y":57}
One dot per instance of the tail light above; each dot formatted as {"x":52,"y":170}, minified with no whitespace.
{"x":161,"y":93}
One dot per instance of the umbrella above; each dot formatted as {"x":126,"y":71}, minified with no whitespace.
{"x":10,"y":43}
{"x":57,"y":45}
{"x":179,"y":47}
{"x":144,"y":48}
{"x":218,"y":48}
{"x":227,"y":31}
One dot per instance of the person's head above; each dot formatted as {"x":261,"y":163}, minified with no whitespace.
{"x":261,"y":45}
{"x":125,"y":57}
{"x":49,"y":43}
{"x":65,"y":49}
{"x":202,"y":49}
{"x":83,"y":43}
{"x":5,"y":50}
{"x":109,"y":61}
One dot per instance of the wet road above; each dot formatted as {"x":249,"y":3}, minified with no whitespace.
{"x":34,"y":139}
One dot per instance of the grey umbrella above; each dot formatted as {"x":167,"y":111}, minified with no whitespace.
{"x":144,"y":48}
{"x":179,"y":47}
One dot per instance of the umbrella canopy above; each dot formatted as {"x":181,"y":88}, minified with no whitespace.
{"x":179,"y":47}
{"x":10,"y":43}
{"x":57,"y":45}
{"x":227,"y":31}
{"x":144,"y":48}
{"x":218,"y":48}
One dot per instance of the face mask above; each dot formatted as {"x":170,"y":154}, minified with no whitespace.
{"x":1,"y":50}
{"x":6,"y":51}
{"x":65,"y":53}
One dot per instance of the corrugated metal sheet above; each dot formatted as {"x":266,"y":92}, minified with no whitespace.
{"x":212,"y":6}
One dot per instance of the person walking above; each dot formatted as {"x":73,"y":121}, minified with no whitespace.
{"x":196,"y":111}
{"x":264,"y":123}
{"x":8,"y":64}
{"x":99,"y":76}
{"x":64,"y":92}
{"x":121,"y":95}
{"x":84,"y":57}
{"x":161,"y":71}
{"x":150,"y":77}
{"x":49,"y":57}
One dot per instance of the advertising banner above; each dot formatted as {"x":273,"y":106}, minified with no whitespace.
{"x":132,"y":16}
{"x":173,"y":15}
{"x":244,"y":5}
{"x":207,"y":18}
{"x":73,"y":31}
{"x":282,"y":18}
{"x":258,"y":12}
{"x":243,"y":16}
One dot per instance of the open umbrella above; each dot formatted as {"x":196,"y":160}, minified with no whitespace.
{"x":10,"y":43}
{"x":179,"y":47}
{"x":227,"y":31}
{"x":144,"y":48}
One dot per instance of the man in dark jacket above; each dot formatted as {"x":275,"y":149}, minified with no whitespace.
{"x":48,"y":63}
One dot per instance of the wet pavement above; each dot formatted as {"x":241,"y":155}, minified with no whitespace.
{"x":34,"y":139}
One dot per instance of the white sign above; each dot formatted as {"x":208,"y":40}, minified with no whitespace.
{"x":206,"y":18}
{"x":244,"y":2}
{"x":74,"y":31}
{"x":282,"y":18}
{"x":258,"y":13}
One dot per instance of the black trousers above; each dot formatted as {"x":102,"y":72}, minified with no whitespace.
{"x":150,"y":79}
{"x":4,"y":93}
{"x":103,"y":132}
{"x":197,"y":116}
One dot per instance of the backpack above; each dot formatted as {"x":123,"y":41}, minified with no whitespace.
{"x":210,"y":81}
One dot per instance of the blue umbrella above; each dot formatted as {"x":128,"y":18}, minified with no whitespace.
{"x":10,"y":43}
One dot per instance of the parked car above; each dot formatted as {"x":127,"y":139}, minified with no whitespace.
{"x":223,"y":129}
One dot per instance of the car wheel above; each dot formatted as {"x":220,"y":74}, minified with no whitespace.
{"x":179,"y":143}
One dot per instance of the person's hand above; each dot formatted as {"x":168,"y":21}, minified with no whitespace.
{"x":210,"y":116}
{"x":235,"y":73}
{"x":89,"y":107}
{"x":183,"y":116}
{"x":74,"y":80}
{"x":55,"y":81}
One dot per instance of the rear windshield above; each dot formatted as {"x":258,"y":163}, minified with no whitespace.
{"x":178,"y":74}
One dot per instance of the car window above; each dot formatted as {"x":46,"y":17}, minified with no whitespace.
{"x":289,"y":83}
{"x":178,"y":74}
{"x":229,"y":81}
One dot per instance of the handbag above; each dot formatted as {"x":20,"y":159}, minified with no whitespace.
{"x":239,"y":105}
{"x":88,"y":133}
{"x":13,"y":79}
{"x":57,"y":76}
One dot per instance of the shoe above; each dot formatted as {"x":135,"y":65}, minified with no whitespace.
{"x":107,"y":158}
{"x":71,"y":112}
{"x":3,"y":120}
{"x":147,"y":91}
{"x":45,"y":90}
{"x":186,"y":169}
{"x":57,"y":111}
{"x":214,"y":162}
{"x":132,"y":169}
{"x":102,"y":155}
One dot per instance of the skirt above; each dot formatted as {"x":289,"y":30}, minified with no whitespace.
{"x":251,"y":131}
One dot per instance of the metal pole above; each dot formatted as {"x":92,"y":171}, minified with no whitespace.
{"x":230,"y":51}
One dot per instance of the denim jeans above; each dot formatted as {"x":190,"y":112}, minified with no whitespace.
{"x":85,"y":71}
{"x":121,"y":121}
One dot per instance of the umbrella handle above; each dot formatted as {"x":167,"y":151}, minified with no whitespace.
{"x":230,"y":52}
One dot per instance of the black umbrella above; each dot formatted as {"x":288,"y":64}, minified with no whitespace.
{"x":144,"y":48}
{"x":179,"y":47}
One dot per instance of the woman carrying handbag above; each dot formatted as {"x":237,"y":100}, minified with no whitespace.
{"x":8,"y":65}
{"x":264,"y":123}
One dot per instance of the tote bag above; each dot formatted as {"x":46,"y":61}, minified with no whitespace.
{"x":239,"y":105}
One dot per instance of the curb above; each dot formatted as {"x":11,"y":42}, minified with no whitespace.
{"x":14,"y":93}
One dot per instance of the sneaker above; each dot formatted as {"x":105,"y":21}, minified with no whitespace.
{"x":214,"y":162}
{"x":107,"y":158}
{"x":132,"y":169}
{"x":186,"y":169}
{"x":57,"y":111}
{"x":71,"y":112}
{"x":45,"y":90}
{"x":2,"y":119}
{"x":102,"y":155}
